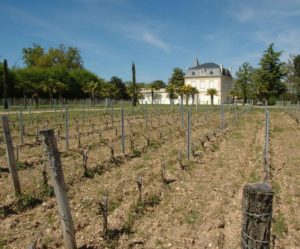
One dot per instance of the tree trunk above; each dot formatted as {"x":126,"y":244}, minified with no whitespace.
{"x":51,"y":97}
{"x":212,"y":99}
{"x":5,"y":83}
{"x":152,"y":96}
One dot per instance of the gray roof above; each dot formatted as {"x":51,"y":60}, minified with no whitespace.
{"x":206,"y":65}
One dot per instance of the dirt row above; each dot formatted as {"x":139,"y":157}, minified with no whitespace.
{"x":198,"y":207}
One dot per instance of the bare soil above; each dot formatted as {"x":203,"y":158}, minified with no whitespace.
{"x":196,"y":204}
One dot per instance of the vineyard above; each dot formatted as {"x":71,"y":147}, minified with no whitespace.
{"x":148,"y":177}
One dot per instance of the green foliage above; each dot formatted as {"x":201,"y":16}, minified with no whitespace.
{"x":24,"y":202}
{"x":67,"y":57}
{"x":177,"y":78}
{"x":268,"y":78}
{"x":279,"y":225}
{"x":212,"y":92}
{"x":296,"y":62}
{"x":118,"y":87}
{"x":243,"y":84}
{"x":192,"y":216}
{"x":2,"y":243}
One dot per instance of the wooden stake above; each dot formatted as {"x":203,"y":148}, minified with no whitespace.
{"x":59,"y":188}
{"x":11,"y":156}
{"x":257,"y":216}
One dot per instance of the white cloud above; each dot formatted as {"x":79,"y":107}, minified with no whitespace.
{"x":155,"y":41}
{"x":287,"y":39}
{"x":243,"y":14}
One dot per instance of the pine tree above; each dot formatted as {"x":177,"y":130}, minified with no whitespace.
{"x":268,"y":78}
{"x":5,"y":82}
{"x":134,"y":95}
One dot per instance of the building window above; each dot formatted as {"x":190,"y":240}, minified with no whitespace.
{"x":193,"y":73}
{"x":211,"y":72}
{"x":202,"y":85}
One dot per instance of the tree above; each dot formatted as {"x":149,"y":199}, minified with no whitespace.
{"x":243,"y":81}
{"x":154,"y":86}
{"x":118,"y":87}
{"x":193,"y":92}
{"x":29,"y":80}
{"x":92,"y":88}
{"x":177,"y":78}
{"x":171,"y":93}
{"x":78,"y":78}
{"x":296,"y":62}
{"x":134,"y":86}
{"x":211,"y":92}
{"x":187,"y":91}
{"x":67,"y":57}
{"x":268,"y":78}
{"x":32,"y":56}
{"x":5,"y":82}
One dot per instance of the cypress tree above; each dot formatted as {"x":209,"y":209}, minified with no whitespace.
{"x":5,"y":81}
{"x":134,"y":94}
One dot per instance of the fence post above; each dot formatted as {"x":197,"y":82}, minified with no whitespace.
{"x":10,"y":155}
{"x":59,"y":188}
{"x":146,"y":115}
{"x":188,"y":135}
{"x":266,"y":149}
{"x":67,"y":128}
{"x":123,"y":130}
{"x":181,"y":113}
{"x":21,"y":126}
{"x":257,"y":216}
{"x":222,"y":117}
{"x":112,"y":112}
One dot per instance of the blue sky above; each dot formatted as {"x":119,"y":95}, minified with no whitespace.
{"x":157,"y":34}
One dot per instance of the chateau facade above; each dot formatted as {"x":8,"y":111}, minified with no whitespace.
{"x":210,"y":75}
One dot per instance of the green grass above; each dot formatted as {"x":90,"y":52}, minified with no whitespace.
{"x":254,"y":177}
{"x":279,"y":225}
{"x":192,"y":217}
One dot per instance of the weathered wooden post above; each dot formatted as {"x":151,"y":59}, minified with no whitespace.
{"x":123,"y":130}
{"x":106,"y":102}
{"x":146,"y":115}
{"x":222,"y":117}
{"x":266,"y":148}
{"x":10,"y":155}
{"x":188,"y":135}
{"x":21,"y":126}
{"x":104,"y":210}
{"x":181,"y":113}
{"x":59,"y":188}
{"x":112,"y":112}
{"x":139,"y":182}
{"x":257,"y":216}
{"x":67,"y":128}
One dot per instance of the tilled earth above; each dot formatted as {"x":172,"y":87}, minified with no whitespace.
{"x":195,"y":204}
